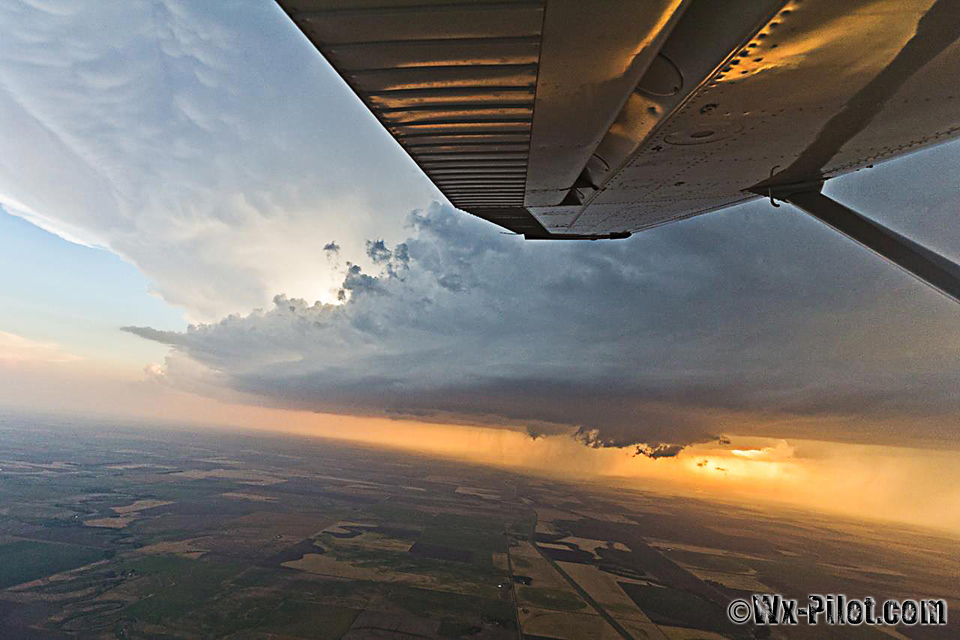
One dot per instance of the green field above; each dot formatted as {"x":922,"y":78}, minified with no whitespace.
{"x":279,"y":615}
{"x":451,"y":607}
{"x":175,"y":585}
{"x":25,"y":560}
{"x":665,"y":605}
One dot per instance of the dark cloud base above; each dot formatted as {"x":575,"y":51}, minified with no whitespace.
{"x":655,"y":341}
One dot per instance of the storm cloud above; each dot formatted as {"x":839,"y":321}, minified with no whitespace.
{"x":745,"y":320}
{"x":197,"y":141}
{"x":210,"y":146}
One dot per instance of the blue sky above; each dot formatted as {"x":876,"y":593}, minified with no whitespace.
{"x":52,"y":290}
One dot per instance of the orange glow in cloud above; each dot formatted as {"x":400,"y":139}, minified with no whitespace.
{"x":908,"y":485}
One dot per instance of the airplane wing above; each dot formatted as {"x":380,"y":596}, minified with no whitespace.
{"x":561,"y":119}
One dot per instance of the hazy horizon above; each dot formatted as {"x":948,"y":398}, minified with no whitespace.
{"x":200,"y":222}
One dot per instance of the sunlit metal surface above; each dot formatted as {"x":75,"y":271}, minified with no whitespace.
{"x":453,"y":82}
{"x":766,"y":106}
{"x":570,"y":118}
{"x":591,"y":59}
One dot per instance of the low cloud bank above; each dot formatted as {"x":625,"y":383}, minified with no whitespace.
{"x":661,"y":341}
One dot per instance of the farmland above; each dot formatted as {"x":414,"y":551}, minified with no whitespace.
{"x":118,"y":534}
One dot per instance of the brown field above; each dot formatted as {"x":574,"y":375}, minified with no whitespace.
{"x":226,"y":461}
{"x":565,"y":626}
{"x":603,"y":588}
{"x":644,"y":630}
{"x":553,"y":515}
{"x":547,"y":516}
{"x":542,"y":572}
{"x":547,"y":529}
{"x":223,"y":558}
{"x":742,"y":581}
{"x":369,"y":540}
{"x":140,"y":465}
{"x":184,"y":548}
{"x":140,"y":505}
{"x":480,"y":493}
{"x":327,"y":565}
{"x":665,"y":545}
{"x":590,"y":545}
{"x":244,"y":477}
{"x":109,"y":523}
{"x":524,"y":550}
{"x":247,"y":496}
{"x":64,"y":576}
{"x":605,"y":517}
{"x":339,"y":527}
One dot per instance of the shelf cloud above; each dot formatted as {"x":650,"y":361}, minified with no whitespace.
{"x":731,"y":324}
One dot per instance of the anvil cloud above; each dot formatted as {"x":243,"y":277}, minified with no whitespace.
{"x":203,"y":142}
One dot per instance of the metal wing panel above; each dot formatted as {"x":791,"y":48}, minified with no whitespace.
{"x":326,"y":22}
{"x":592,"y":57}
{"x":923,"y":111}
{"x":820,"y":89}
{"x":571,"y":119}
{"x":461,"y":85}
{"x":453,"y":82}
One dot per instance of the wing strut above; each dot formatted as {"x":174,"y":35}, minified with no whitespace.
{"x":925,"y":265}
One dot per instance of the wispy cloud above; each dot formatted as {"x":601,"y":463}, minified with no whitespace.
{"x":18,"y":349}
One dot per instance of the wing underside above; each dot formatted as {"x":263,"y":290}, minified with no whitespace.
{"x":562,"y":119}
